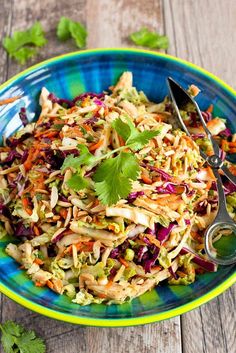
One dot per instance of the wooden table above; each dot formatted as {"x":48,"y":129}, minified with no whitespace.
{"x":202,"y":32}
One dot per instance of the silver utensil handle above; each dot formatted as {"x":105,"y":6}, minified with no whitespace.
{"x":222,"y":221}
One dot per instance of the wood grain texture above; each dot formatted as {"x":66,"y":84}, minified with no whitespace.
{"x":199,"y":32}
{"x":203,"y":32}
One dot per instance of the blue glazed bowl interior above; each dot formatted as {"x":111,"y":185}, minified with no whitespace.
{"x":95,"y":71}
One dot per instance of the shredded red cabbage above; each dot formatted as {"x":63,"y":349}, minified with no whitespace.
{"x":163,"y":233}
{"x":229,"y":187}
{"x":207,"y":116}
{"x":172,"y":188}
{"x":133,"y":196}
{"x":90,"y":94}
{"x":22,"y":231}
{"x":173,"y":274}
{"x":151,"y":262}
{"x":12,"y":155}
{"x":98,"y":102}
{"x":23,"y":116}
{"x":226,"y":133}
{"x":114,"y":253}
{"x":13,"y":142}
{"x":207,"y":265}
{"x":142,"y":250}
{"x":165,"y":176}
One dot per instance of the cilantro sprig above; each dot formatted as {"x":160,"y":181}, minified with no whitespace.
{"x":146,"y":38}
{"x":133,"y":137}
{"x":15,"y":339}
{"x":114,"y":175}
{"x":23,"y":44}
{"x":67,"y":28}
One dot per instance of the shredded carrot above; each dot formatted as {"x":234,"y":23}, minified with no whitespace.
{"x":89,"y":245}
{"x":87,"y":127}
{"x":48,"y":133}
{"x":9,"y":100}
{"x":146,"y":179}
{"x":232,"y":150}
{"x":210,"y":108}
{"x":208,"y":185}
{"x":121,"y":141}
{"x":78,"y":246}
{"x":210,"y":173}
{"x":224,"y":145}
{"x":72,"y":109}
{"x":109,"y":283}
{"x":111,"y":227}
{"x":68,"y":232}
{"x":36,"y":230}
{"x":232,"y":169}
{"x":26,"y":205}
{"x":28,"y":162}
{"x":68,"y":250}
{"x":38,"y":261}
{"x":196,"y":236}
{"x":156,"y":268}
{"x":153,"y":240}
{"x":39,"y":284}
{"x":200,"y":246}
{"x":101,"y":295}
{"x":123,"y":262}
{"x":49,"y":284}
{"x":96,"y":145}
{"x":63,"y":213}
{"x":181,"y":274}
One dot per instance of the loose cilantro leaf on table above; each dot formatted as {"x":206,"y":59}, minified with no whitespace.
{"x":114,"y":176}
{"x":23,"y":44}
{"x":149,"y":39}
{"x":67,"y":28}
{"x":132,"y":136}
{"x":15,"y":339}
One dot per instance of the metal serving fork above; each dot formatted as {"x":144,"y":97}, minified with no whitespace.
{"x":222,"y":221}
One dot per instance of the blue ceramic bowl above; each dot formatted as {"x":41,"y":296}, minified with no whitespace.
{"x":96,"y":70}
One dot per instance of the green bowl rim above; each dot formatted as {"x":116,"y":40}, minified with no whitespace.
{"x":116,"y":322}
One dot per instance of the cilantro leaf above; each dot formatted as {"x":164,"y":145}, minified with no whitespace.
{"x":85,"y":158}
{"x":79,"y":33}
{"x":67,"y":28}
{"x":21,"y":46}
{"x":132,"y":136}
{"x":29,"y":343}
{"x":15,"y":339}
{"x":63,"y":32}
{"x":140,"y":139}
{"x":149,"y":39}
{"x":77,"y":182}
{"x":113,"y":178}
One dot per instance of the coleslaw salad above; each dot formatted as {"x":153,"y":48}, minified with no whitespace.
{"x":76,"y":241}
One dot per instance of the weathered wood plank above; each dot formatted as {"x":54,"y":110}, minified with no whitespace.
{"x":109,"y":23}
{"x":203,"y":32}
